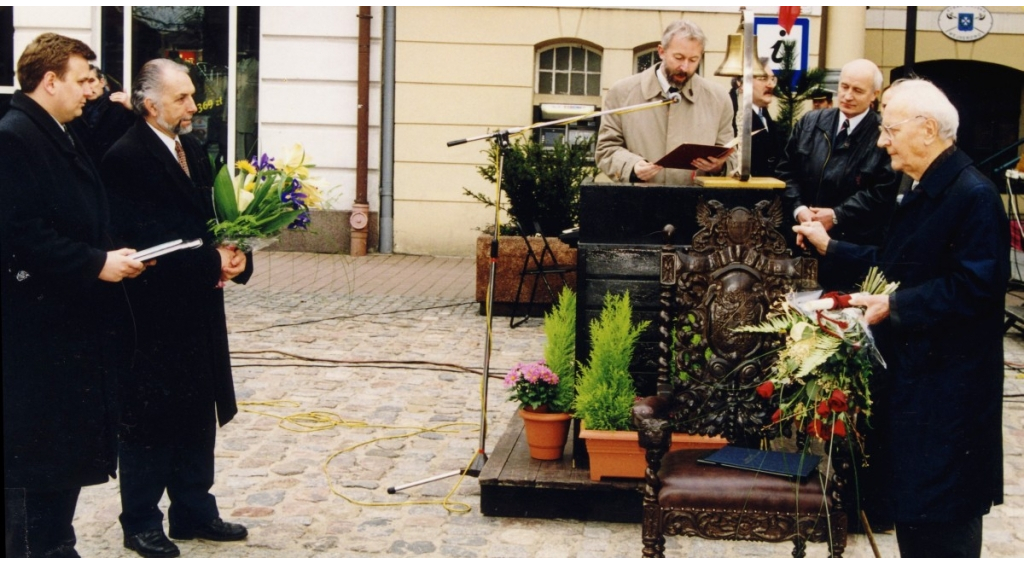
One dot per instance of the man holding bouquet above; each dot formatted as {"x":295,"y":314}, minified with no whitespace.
{"x":941,"y":332}
{"x":180,"y":385}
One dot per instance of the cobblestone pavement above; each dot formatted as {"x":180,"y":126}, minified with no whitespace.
{"x":390,"y":345}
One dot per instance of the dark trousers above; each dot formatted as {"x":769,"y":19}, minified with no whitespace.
{"x":183,"y":468}
{"x":37,"y":523}
{"x":961,"y":539}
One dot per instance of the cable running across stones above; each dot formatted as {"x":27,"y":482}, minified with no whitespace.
{"x":315,"y":421}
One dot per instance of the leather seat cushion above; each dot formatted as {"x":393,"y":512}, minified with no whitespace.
{"x":689,"y":484}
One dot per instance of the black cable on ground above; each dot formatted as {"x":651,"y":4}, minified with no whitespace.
{"x":352,"y":316}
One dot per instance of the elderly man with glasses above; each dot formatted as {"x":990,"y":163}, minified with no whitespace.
{"x":940,"y":332}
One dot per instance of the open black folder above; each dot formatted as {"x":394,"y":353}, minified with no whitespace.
{"x":786,"y":464}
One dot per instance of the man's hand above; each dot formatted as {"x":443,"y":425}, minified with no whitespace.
{"x":804,"y":216}
{"x":877,"y":306}
{"x":232,"y":263}
{"x":646,"y":171}
{"x":118,"y":266}
{"x":824,"y":216}
{"x":710,"y":165}
{"x":813,"y":232}
{"x":122,"y":98}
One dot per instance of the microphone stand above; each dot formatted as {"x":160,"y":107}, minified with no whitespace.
{"x":504,"y":146}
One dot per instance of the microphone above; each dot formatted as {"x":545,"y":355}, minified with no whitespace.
{"x":674,"y":95}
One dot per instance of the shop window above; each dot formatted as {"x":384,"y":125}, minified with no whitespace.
{"x":197,"y":37}
{"x":572,"y":70}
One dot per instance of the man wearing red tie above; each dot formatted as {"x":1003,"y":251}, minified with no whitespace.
{"x":180,"y":385}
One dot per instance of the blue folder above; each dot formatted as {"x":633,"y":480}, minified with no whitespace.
{"x":786,"y":464}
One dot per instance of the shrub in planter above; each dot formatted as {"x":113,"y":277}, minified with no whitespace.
{"x":541,"y":184}
{"x":560,"y":348}
{"x":605,"y":392}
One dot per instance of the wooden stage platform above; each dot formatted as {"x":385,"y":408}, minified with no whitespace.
{"x":514,"y":485}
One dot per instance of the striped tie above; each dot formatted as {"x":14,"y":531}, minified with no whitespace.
{"x":178,"y":150}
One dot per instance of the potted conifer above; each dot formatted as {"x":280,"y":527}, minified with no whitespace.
{"x":539,"y":185}
{"x":605,"y":395}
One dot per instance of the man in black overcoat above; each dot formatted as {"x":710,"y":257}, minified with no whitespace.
{"x":941,"y":332}
{"x":180,"y":385}
{"x":59,"y":304}
{"x":834,"y":172}
{"x":105,"y":118}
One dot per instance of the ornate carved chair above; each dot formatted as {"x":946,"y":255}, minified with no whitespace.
{"x":736,"y":267}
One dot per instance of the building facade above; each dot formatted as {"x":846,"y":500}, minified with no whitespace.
{"x":462,"y":72}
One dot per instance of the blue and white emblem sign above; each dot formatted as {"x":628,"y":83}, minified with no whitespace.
{"x":965,"y":23}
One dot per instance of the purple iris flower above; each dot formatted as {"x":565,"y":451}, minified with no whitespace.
{"x":301,"y":222}
{"x":262,"y":163}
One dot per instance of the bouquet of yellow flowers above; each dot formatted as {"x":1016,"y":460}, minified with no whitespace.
{"x":822,"y":370}
{"x":263,"y":198}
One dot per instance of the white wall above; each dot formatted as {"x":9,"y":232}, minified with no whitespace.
{"x":308,"y":79}
{"x":77,"y":22}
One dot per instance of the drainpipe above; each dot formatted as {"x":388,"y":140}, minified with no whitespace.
{"x":361,"y":208}
{"x":910,"y":43}
{"x":387,"y":135}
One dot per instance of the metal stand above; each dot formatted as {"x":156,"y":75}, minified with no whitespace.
{"x":476,"y":465}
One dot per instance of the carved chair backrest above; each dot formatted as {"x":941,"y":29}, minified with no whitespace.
{"x":737,"y":266}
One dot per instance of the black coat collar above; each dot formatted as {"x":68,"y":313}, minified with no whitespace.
{"x":44,"y":121}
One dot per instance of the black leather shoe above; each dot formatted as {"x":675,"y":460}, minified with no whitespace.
{"x":216,"y":530}
{"x":152,"y":544}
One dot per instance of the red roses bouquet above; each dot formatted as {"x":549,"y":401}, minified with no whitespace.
{"x":822,"y":370}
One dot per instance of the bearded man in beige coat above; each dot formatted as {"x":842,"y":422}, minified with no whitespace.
{"x":628,"y":144}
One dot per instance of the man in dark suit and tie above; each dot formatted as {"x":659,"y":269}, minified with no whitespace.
{"x":834,"y":172}
{"x":766,"y":144}
{"x":180,"y":385}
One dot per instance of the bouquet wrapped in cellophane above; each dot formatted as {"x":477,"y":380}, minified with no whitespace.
{"x":262,"y":199}
{"x":822,"y":370}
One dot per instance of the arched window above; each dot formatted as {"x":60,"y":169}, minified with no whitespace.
{"x":573,"y":70}
{"x":646,"y":59}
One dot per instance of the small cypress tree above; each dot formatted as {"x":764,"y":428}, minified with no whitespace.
{"x":605,"y":394}
{"x":560,"y":348}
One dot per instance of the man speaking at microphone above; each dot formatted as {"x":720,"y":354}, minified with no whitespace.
{"x":629,"y":144}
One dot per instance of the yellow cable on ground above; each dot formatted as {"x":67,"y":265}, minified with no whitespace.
{"x":315,"y":421}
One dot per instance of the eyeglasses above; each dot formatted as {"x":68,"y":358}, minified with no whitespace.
{"x":770,"y":79}
{"x":890,"y":130}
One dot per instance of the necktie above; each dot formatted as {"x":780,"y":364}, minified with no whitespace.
{"x":843,"y":134}
{"x":764,"y":122}
{"x":178,"y":150}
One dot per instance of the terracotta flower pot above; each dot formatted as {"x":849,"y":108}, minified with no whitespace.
{"x":546,"y":433}
{"x":617,"y":454}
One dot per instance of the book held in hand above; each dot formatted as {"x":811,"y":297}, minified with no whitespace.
{"x":785,"y":464}
{"x":165,"y":248}
{"x":684,"y":155}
